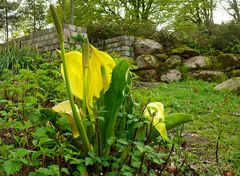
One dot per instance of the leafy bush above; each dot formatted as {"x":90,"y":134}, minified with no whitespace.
{"x":109,"y":29}
{"x":224,"y":37}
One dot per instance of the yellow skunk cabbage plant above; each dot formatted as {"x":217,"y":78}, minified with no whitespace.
{"x":104,"y":123}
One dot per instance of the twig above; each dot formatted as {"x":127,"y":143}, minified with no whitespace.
{"x":166,"y":162}
{"x":216,"y":153}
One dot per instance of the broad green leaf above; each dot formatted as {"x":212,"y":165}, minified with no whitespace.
{"x":20,"y":152}
{"x":176,"y":119}
{"x":114,"y":98}
{"x":11,"y":166}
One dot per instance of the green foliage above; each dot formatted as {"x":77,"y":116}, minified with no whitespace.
{"x":33,"y":15}
{"x":15,"y":58}
{"x":109,"y":29}
{"x":222,"y":37}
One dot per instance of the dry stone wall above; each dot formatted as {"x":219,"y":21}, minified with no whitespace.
{"x":122,"y":45}
{"x":47,"y":40}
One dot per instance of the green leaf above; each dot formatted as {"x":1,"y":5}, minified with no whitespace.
{"x":20,"y":152}
{"x":11,"y":166}
{"x":89,"y":161}
{"x":114,"y":98}
{"x":176,"y":119}
{"x":65,"y":170}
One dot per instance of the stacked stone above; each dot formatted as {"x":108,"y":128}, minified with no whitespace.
{"x":122,"y":45}
{"x":47,"y":40}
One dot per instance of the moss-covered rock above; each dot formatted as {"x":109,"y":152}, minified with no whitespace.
{"x":173,"y":61}
{"x":227,"y":61}
{"x":215,"y":76}
{"x":147,"y":61}
{"x":229,"y":85}
{"x":185,"y":52}
{"x":148,"y":75}
{"x":171,"y":75}
{"x":235,"y":73}
{"x":161,"y":57}
{"x":198,"y":62}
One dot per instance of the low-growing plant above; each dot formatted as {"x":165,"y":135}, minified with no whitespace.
{"x":15,"y":58}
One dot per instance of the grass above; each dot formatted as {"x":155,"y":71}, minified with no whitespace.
{"x":213,"y":112}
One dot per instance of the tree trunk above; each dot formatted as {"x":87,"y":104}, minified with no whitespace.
{"x":6,"y":22}
{"x":236,"y":9}
{"x":34,"y":17}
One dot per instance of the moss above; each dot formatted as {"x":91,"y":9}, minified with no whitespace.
{"x":235,"y":73}
{"x":183,"y":49}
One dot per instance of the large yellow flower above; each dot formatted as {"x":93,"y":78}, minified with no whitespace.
{"x":155,"y":113}
{"x":99,"y":73}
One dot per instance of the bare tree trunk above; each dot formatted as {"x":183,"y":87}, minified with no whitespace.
{"x":72,"y":12}
{"x":6,"y":23}
{"x":34,"y":17}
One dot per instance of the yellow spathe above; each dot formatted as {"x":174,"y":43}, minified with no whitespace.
{"x":154,"y":111}
{"x":97,"y":81}
{"x":65,"y":107}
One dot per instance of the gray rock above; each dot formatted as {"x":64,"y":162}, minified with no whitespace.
{"x":217,"y":76}
{"x":147,"y":62}
{"x":230,"y":85}
{"x":173,"y":61}
{"x":171,"y":75}
{"x":198,"y":62}
{"x":147,"y":46}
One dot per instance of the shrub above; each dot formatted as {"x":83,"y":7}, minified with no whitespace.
{"x":109,"y":29}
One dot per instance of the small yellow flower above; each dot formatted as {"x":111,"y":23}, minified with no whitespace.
{"x":155,"y":113}
{"x":97,"y":80}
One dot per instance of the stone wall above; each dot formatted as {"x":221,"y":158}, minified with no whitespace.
{"x":122,"y":45}
{"x":47,"y":40}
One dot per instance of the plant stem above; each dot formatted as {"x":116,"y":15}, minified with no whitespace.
{"x":76,"y":114}
{"x":85,"y":61}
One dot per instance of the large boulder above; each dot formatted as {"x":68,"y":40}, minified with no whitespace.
{"x":171,"y":75}
{"x":230,"y":85}
{"x":185,"y":52}
{"x":227,"y":61}
{"x":198,"y":62}
{"x":147,"y":46}
{"x":147,"y":62}
{"x":205,"y":75}
{"x":173,"y":61}
{"x":148,"y":75}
